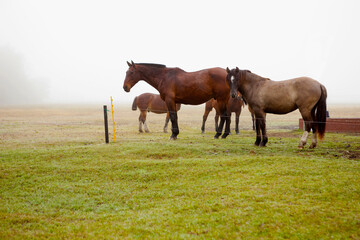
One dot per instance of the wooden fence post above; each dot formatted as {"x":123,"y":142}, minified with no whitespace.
{"x":106,"y":125}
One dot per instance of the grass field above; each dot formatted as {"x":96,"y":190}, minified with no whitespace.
{"x":59,"y":180}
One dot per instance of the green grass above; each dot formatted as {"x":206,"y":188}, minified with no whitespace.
{"x":144,"y":186}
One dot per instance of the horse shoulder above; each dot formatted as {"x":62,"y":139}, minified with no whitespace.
{"x":166,"y":87}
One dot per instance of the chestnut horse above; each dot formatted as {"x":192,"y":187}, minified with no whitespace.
{"x":280,"y":97}
{"x":234,"y":105}
{"x":177,"y":86}
{"x":149,"y":102}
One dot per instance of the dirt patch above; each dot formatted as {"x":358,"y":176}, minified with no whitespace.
{"x":354,"y":155}
{"x":289,"y":134}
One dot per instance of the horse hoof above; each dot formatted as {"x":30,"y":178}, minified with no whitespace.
{"x":237,"y":133}
{"x":300,"y":147}
{"x":224,"y":136}
{"x":173,"y":137}
{"x":312,"y":146}
{"x":202,"y":132}
{"x":217,"y":136}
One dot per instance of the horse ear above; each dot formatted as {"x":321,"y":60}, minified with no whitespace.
{"x":237,"y":69}
{"x":132,"y":63}
{"x":227,"y":70}
{"x":129,"y":64}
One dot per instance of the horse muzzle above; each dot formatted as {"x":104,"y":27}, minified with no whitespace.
{"x":126,"y":88}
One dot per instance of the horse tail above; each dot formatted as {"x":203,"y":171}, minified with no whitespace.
{"x":134,"y":107}
{"x":320,"y":117}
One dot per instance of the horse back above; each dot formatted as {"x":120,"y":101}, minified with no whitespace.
{"x":200,"y":86}
{"x":285,"y":96}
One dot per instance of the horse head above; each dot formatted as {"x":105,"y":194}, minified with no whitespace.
{"x":232,"y":79}
{"x":132,"y":77}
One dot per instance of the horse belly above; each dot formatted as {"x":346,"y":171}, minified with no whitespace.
{"x":281,"y":109}
{"x":192,"y":100}
{"x":193,"y":97}
{"x":279,"y":98}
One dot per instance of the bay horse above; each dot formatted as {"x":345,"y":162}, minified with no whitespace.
{"x":280,"y":97}
{"x":177,"y":86}
{"x":150,"y":102}
{"x":234,"y":106}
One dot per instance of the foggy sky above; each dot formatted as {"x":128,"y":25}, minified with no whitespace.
{"x":16,"y":88}
{"x":76,"y":51}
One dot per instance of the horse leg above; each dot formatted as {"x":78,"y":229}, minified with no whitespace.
{"x":253,"y":120}
{"x":314,"y":129}
{"x":223,"y":119}
{"x":220,"y":126}
{"x":252,"y":117}
{"x":140,"y":126}
{"x":257,"y":130}
{"x":217,"y":121}
{"x":237,"y":118}
{"x":166,"y":122}
{"x":142,"y":118}
{"x":173,"y":117}
{"x":308,"y":122}
{"x":314,"y":139}
{"x":263,"y":131}
{"x":227,"y":124}
{"x":174,"y":125}
{"x":260,"y":128}
{"x":145,"y":127}
{"x":205,"y":116}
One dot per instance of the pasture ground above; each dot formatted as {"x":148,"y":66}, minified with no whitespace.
{"x":59,"y":180}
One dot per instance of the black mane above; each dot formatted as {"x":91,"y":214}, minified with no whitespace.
{"x":152,"y":65}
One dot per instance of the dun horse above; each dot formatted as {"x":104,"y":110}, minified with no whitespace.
{"x":234,"y":105}
{"x":280,"y":97}
{"x":149,"y":102}
{"x":177,"y":86}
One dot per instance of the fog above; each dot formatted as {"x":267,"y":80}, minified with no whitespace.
{"x":76,"y":51}
{"x":16,"y":88}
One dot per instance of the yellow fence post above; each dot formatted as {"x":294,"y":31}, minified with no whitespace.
{"x":112,"y":111}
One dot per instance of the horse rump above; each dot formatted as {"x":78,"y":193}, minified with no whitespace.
{"x":134,"y":107}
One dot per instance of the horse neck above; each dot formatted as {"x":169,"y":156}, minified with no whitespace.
{"x":152,"y":75}
{"x":248,"y":82}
